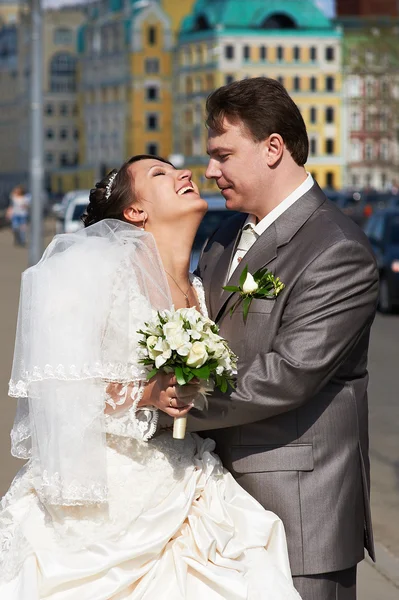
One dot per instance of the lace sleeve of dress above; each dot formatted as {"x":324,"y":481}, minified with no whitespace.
{"x":199,"y":288}
{"x":135,"y":422}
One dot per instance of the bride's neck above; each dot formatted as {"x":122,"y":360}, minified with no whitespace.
{"x":175,"y":249}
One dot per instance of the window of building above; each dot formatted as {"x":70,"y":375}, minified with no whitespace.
{"x":189,"y":85}
{"x":263,"y":53}
{"x":330,"y":84}
{"x":63,"y":110}
{"x":280,"y":79}
{"x":383,"y":180}
{"x":63,"y":134}
{"x":329,"y":146}
{"x":210,"y":82}
{"x":313,"y":53}
{"x":152,"y":93}
{"x":75,"y":110}
{"x":229,"y":52}
{"x":369,"y":151}
{"x":330,"y":54}
{"x":49,"y":158}
{"x":356,"y":151}
{"x":280,"y":53}
{"x":49,"y":134}
{"x":313,"y":115}
{"x":151,"y":65}
{"x":369,"y":87}
{"x":64,"y":159}
{"x":354,"y":86}
{"x":229,"y":79}
{"x":63,"y":36}
{"x":355,"y":120}
{"x":297,"y":53}
{"x":63,"y":73}
{"x":329,"y":114}
{"x":152,"y":148}
{"x":384,"y":150}
{"x":330,"y":179}
{"x":313,"y":84}
{"x":49,"y":110}
{"x":246,"y":52}
{"x":76,"y":134}
{"x":369,"y":120}
{"x":152,"y":121}
{"x":355,"y":181}
{"x":297,"y":84}
{"x":313,"y":146}
{"x":152,"y":36}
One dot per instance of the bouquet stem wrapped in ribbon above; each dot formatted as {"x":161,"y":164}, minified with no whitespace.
{"x":185,"y":342}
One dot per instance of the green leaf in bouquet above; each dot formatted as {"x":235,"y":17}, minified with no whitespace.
{"x":151,"y":374}
{"x":245,"y":305}
{"x":223,"y":386}
{"x":181,"y":380}
{"x":203,"y":372}
{"x":243,"y":276}
{"x":231,"y":288}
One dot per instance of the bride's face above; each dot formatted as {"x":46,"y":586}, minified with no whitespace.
{"x":164,"y":194}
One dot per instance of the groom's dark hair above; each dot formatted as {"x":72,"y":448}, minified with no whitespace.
{"x":264,"y":106}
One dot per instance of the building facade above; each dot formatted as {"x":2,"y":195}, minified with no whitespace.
{"x":371,"y":71}
{"x":367,"y":8}
{"x":290,"y":40}
{"x":126,"y":80}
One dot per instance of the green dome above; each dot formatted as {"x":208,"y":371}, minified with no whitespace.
{"x":255,"y":14}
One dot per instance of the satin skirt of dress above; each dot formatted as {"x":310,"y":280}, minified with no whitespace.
{"x":177,"y":526}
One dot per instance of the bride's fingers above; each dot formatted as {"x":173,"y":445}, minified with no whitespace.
{"x":177,"y":412}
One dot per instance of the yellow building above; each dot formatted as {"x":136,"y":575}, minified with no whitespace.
{"x":290,"y":41}
{"x":125,"y":93}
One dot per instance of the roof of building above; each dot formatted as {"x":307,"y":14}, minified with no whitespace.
{"x":256,"y":14}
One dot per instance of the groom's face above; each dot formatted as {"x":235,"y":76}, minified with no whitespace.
{"x":238,"y":165}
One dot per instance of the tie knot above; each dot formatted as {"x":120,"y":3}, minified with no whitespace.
{"x":248,"y":238}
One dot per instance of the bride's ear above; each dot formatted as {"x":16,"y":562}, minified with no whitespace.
{"x":135,"y":215}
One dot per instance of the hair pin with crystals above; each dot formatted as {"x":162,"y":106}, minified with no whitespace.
{"x":108,"y":187}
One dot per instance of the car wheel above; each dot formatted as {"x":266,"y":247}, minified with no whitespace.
{"x":384,"y":302}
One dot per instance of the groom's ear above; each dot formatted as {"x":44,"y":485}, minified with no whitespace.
{"x":274,"y":147}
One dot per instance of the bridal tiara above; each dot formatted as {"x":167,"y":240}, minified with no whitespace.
{"x":108,"y":187}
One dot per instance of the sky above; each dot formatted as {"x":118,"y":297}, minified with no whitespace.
{"x":328,"y":6}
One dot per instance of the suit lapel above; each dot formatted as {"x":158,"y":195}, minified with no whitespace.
{"x":259,"y":255}
{"x":265,"y":249}
{"x":222,"y":267}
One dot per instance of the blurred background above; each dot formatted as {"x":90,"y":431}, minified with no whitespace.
{"x":85,"y":85}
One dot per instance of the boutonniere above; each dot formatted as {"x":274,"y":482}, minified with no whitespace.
{"x":261,"y":284}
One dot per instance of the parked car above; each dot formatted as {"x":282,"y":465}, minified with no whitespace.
{"x":382,"y":229}
{"x":217,"y":213}
{"x":358,"y":205}
{"x":76,"y":207}
{"x":63,"y":212}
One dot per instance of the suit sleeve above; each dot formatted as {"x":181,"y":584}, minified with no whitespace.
{"x":330,"y":308}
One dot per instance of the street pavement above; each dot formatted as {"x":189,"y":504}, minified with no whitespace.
{"x":376,"y":582}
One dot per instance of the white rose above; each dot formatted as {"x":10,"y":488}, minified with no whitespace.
{"x":161,"y":352}
{"x":250,"y":286}
{"x":175,"y":335}
{"x":197,"y":355}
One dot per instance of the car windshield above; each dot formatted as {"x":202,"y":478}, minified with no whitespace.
{"x":212,"y":220}
{"x":395,"y":231}
{"x":78,"y":211}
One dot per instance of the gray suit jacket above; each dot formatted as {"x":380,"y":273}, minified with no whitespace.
{"x":294,"y":433}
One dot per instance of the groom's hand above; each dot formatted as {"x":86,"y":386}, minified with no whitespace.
{"x":164,"y":393}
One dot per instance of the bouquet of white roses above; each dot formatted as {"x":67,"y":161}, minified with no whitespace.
{"x":185,"y":342}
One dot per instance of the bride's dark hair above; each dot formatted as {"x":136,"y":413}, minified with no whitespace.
{"x":121,"y":195}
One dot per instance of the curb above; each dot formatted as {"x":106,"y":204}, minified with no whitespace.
{"x":386,"y":564}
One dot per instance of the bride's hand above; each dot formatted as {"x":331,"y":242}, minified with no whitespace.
{"x":175,"y":400}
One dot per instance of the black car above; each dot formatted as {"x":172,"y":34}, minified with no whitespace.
{"x":382,"y":229}
{"x":359,"y":206}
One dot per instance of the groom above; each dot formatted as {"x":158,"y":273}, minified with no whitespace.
{"x":294,"y":433}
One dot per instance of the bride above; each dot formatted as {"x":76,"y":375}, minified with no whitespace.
{"x":109,"y":505}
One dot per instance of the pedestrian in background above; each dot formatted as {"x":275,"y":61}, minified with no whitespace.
{"x":18,"y":212}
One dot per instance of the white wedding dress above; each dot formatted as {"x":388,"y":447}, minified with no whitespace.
{"x":176,"y":526}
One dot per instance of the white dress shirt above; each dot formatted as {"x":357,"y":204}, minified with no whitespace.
{"x":252,"y":230}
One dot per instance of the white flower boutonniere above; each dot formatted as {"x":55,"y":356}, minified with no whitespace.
{"x":261,"y":284}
